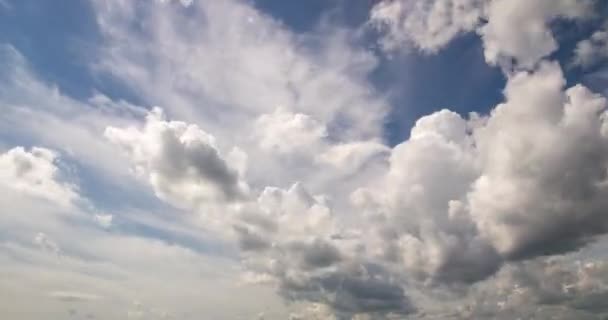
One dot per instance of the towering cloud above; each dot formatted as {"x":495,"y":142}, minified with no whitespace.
{"x":530,"y":179}
{"x":544,"y":159}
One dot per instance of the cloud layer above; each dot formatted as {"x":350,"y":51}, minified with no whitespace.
{"x":263,"y":185}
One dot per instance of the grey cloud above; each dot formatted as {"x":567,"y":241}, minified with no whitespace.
{"x":356,"y":289}
{"x":461,"y":198}
{"x":543,"y":188}
{"x":180,"y":160}
{"x":249,"y":240}
{"x":317,"y":254}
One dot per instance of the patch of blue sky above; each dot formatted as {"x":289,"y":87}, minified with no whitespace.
{"x":60,"y":40}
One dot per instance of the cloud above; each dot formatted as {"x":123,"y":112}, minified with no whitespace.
{"x":514,"y":33}
{"x":544,"y":167}
{"x":555,"y":289}
{"x":590,"y":52}
{"x":283,"y":233}
{"x":286,"y":132}
{"x":182,"y":162}
{"x":460,"y":197}
{"x":46,"y":244}
{"x":428,"y":25}
{"x":104,"y":220}
{"x":307,"y":196}
{"x":520,"y":29}
{"x":35,"y":172}
{"x":73,"y":296}
{"x":71,"y":127}
{"x":353,"y":290}
{"x":255,"y":66}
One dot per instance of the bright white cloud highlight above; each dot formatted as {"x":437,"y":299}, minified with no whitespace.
{"x":35,"y":172}
{"x":515,"y":33}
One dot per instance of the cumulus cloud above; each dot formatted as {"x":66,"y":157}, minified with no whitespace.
{"x":428,"y":25}
{"x":181,"y":161}
{"x":460,"y":197}
{"x":287,"y":132}
{"x":592,"y":51}
{"x":457,"y":201}
{"x":520,"y":29}
{"x":514,"y":33}
{"x":316,"y":204}
{"x":35,"y":172}
{"x":357,"y":289}
{"x":544,"y":167}
{"x":546,"y":289}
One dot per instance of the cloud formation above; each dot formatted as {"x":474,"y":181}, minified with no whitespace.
{"x":462,"y":196}
{"x":181,"y":162}
{"x":269,"y":156}
{"x":514,"y":33}
{"x":35,"y":172}
{"x":590,"y":52}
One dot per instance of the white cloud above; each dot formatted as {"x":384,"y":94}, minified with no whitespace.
{"x":104,"y":220}
{"x":519,"y":29}
{"x":515,"y":33}
{"x":287,"y":132}
{"x":428,"y":25}
{"x":463,"y":203}
{"x":529,"y":179}
{"x":542,"y":151}
{"x":35,"y":173}
{"x":72,"y":127}
{"x":181,"y":161}
{"x":592,"y":51}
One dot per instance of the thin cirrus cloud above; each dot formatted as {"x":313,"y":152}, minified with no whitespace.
{"x":270,"y":142}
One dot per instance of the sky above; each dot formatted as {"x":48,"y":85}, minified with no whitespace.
{"x":322,"y":159}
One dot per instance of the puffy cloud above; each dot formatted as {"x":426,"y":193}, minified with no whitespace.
{"x":182,"y":162}
{"x":462,"y":201}
{"x":420,"y":199}
{"x":591,"y":51}
{"x":285,"y":235}
{"x":458,"y":199}
{"x":461,"y":197}
{"x":72,"y":127}
{"x":351,"y":157}
{"x":544,"y":163}
{"x":520,"y":29}
{"x":513,"y":32}
{"x":35,"y":172}
{"x":288,"y":132}
{"x":428,"y":25}
{"x":544,"y":288}
{"x":356,"y":289}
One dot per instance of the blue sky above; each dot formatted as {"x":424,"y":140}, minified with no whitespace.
{"x":323,"y":159}
{"x":58,"y":38}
